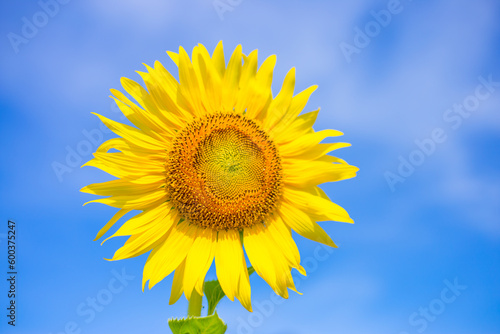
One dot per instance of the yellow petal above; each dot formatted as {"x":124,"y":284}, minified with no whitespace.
{"x":110,"y":223}
{"x":130,"y":150}
{"x":169,"y":116}
{"x":248,"y":83}
{"x":231,"y":267}
{"x":283,"y":238}
{"x":249,"y":69}
{"x":303,"y":173}
{"x":297,"y":104}
{"x":301,"y":126}
{"x":303,"y":224}
{"x":147,"y":229}
{"x":319,"y":192}
{"x":269,"y":265}
{"x":218,"y":59}
{"x":213,"y":81}
{"x":317,"y":207}
{"x":304,"y":143}
{"x":255,"y":94}
{"x":123,"y":165}
{"x":318,"y":152}
{"x":262,"y":93}
{"x":278,"y":107}
{"x":199,"y":260}
{"x":202,"y":74}
{"x":133,"y":202}
{"x":124,"y":186}
{"x":174,"y":56}
{"x":141,"y":243}
{"x":282,"y":255}
{"x":141,"y":118}
{"x":169,"y":87}
{"x":168,"y":256}
{"x":133,"y":135}
{"x":177,"y":287}
{"x":230,"y":85}
{"x":161,"y":215}
{"x":146,"y":101}
{"x":189,"y":86}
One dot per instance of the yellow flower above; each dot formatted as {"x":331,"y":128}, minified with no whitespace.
{"x":216,"y":165}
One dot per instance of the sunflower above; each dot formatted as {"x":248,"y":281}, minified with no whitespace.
{"x":217,"y":167}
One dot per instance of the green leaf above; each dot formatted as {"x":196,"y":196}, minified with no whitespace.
{"x":214,"y":293}
{"x":250,"y":270}
{"x":198,"y":325}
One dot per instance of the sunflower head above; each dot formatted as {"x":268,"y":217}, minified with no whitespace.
{"x":217,"y":167}
{"x":224,"y":172}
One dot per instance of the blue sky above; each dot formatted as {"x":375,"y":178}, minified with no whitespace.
{"x":423,"y":254}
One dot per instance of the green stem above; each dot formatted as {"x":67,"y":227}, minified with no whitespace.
{"x":194,"y":306}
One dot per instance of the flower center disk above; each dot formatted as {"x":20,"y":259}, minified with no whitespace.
{"x":224,"y":172}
